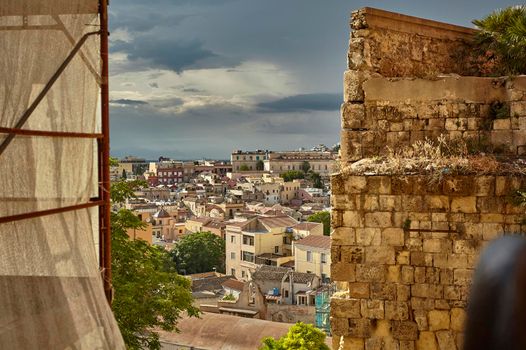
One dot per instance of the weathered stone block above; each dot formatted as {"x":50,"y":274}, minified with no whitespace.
{"x":393,"y":274}
{"x":402,"y":257}
{"x":343,"y":236}
{"x":407,"y":274}
{"x":404,"y":330}
{"x":359,"y":290}
{"x":339,"y":325}
{"x":462,"y":277}
{"x":353,"y":115}
{"x":446,"y":340}
{"x":426,"y":341}
{"x":379,"y":184}
{"x":355,"y":57}
{"x":383,"y":291}
{"x":379,"y":255}
{"x":342,"y":271}
{"x":484,"y":186}
{"x":438,"y":320}
{"x":352,"y":218}
{"x":393,"y":236}
{"x":427,"y":291}
{"x":372,"y":309}
{"x":352,"y":85}
{"x":378,"y":219}
{"x":464,"y":204}
{"x":458,"y":318}
{"x":359,"y":328}
{"x":396,"y":310}
{"x":370,"y":273}
{"x":355,"y":184}
{"x":345,"y":308}
{"x":369,"y":236}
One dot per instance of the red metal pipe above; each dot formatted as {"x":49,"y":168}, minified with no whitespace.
{"x":27,"y":132}
{"x":36,"y":214}
{"x":105,"y":112}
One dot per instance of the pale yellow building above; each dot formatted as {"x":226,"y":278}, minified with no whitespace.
{"x":312,"y":254}
{"x":320,"y":162}
{"x":256,"y":241}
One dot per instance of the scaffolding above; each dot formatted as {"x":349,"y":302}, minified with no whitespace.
{"x":323,"y":308}
{"x":54,"y":159}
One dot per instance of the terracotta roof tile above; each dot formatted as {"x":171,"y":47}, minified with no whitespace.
{"x":323,"y":242}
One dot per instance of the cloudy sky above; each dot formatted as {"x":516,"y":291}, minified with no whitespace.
{"x":199,"y":78}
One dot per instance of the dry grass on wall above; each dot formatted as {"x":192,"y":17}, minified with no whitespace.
{"x":436,"y":159}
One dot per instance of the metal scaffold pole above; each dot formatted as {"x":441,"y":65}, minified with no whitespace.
{"x":104,"y":161}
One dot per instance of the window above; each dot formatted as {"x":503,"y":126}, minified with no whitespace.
{"x":248,"y":257}
{"x":323,"y":258}
{"x":309,"y":256}
{"x":232,"y":239}
{"x":232,"y":256}
{"x":276,"y":249}
{"x":286,"y":293}
{"x":233,"y":272}
{"x":243,"y":274}
{"x":248,"y":240}
{"x":257,"y":157}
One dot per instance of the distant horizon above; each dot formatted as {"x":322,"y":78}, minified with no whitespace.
{"x":151,"y":158}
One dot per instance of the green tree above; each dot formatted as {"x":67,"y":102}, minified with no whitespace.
{"x":316,"y":180}
{"x":199,"y":252}
{"x":243,"y":167}
{"x":325,"y":218}
{"x":292,"y":175}
{"x":301,"y":336}
{"x":502,"y":40}
{"x":148,"y":291}
{"x":260,"y":165}
{"x":305,"y":167}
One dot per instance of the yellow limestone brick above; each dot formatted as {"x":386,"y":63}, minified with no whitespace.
{"x":438,"y":319}
{"x":458,"y":317}
{"x":426,"y":341}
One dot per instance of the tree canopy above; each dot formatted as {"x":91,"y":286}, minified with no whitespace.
{"x":260,"y":165}
{"x":243,"y":167}
{"x":199,"y":252}
{"x":305,"y":167}
{"x":148,"y":291}
{"x":301,"y":336}
{"x":290,"y":175}
{"x":325,"y":218}
{"x":502,"y":40}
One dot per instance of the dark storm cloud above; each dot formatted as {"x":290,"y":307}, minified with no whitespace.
{"x":127,"y":102}
{"x":170,"y":53}
{"x":145,"y":21}
{"x":304,"y":102}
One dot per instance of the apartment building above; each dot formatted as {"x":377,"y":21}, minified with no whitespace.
{"x":312,"y":254}
{"x":320,"y":162}
{"x":247,"y":160}
{"x":256,"y":241}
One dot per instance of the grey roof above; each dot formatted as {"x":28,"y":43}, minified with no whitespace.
{"x":161,"y":214}
{"x":275,"y":273}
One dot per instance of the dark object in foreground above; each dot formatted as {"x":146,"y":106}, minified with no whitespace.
{"x":497,"y":306}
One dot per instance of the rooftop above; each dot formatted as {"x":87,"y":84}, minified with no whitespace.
{"x":323,"y":242}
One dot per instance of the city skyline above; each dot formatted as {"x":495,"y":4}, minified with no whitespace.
{"x":199,"y":79}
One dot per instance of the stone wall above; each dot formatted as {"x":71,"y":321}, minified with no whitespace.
{"x":403,"y":85}
{"x":404,"y":252}
{"x":404,"y":247}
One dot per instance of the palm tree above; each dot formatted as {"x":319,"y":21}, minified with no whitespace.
{"x":502,"y":39}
